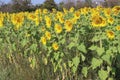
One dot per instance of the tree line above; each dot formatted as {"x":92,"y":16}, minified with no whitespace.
{"x":26,"y":5}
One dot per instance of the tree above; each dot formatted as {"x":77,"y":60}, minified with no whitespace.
{"x":21,"y":5}
{"x":61,"y":6}
{"x":89,"y":3}
{"x":50,"y":4}
{"x":111,"y":3}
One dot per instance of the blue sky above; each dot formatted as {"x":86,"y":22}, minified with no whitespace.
{"x":33,"y":1}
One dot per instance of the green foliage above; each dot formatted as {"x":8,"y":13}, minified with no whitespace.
{"x":50,"y":4}
{"x":85,"y":71}
{"x":103,"y":74}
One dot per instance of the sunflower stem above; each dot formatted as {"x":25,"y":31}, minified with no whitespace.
{"x":100,"y":39}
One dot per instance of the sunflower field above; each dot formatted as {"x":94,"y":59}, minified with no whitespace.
{"x":81,"y":44}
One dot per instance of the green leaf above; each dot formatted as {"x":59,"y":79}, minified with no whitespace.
{"x":96,"y":63}
{"x":110,"y":79}
{"x":93,"y":47}
{"x":14,"y":46}
{"x":24,"y":42}
{"x":95,"y":39}
{"x":33,"y":47}
{"x":83,"y":57}
{"x":74,"y":69}
{"x":56,"y":56}
{"x":100,"y":51}
{"x":106,"y":58}
{"x":85,"y":71}
{"x":62,"y":41}
{"x":82,"y":48}
{"x":70,"y":64}
{"x":108,"y":69}
{"x":102,"y":74}
{"x":119,"y":49}
{"x":72,"y":44}
{"x":76,"y":61}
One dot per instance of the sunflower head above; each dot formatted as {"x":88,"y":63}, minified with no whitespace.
{"x":58,"y":28}
{"x":110,"y":34}
{"x":43,"y":40}
{"x":55,"y":46}
{"x":118,"y":28}
{"x":48,"y":21}
{"x":110,"y":20}
{"x":116,"y":10}
{"x":98,"y":21}
{"x":48,"y":35}
{"x":68,"y":25}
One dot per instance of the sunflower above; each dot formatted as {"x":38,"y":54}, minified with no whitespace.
{"x":68,"y":25}
{"x":118,"y":28}
{"x":116,"y":10}
{"x":55,"y":46}
{"x":1,"y":20}
{"x":43,"y":40}
{"x":107,"y":11}
{"x":17,"y":20}
{"x":45,"y":11}
{"x":110,"y":34}
{"x":110,"y":20}
{"x":72,"y":9}
{"x":48,"y":21}
{"x":65,"y":10}
{"x":59,"y":14}
{"x":61,"y":20}
{"x":48,"y":35}
{"x":98,"y":21}
{"x":77,"y":15}
{"x":32,"y":16}
{"x":58,"y":28}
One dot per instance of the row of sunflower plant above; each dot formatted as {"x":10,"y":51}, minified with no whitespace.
{"x":74,"y":43}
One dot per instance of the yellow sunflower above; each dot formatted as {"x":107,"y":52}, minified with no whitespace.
{"x":116,"y":10}
{"x":48,"y":21}
{"x":110,"y":34}
{"x":72,"y":9}
{"x":17,"y":20}
{"x":107,"y":11}
{"x":110,"y":20}
{"x":1,"y":20}
{"x":98,"y":21}
{"x":77,"y":15}
{"x":43,"y":40}
{"x":68,"y":25}
{"x":118,"y":28}
{"x":55,"y":46}
{"x":58,"y":28}
{"x":48,"y":35}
